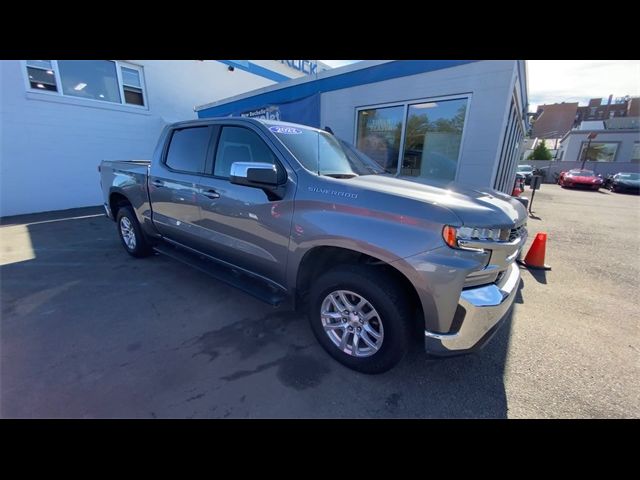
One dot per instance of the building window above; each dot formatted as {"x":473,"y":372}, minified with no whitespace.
{"x":102,"y":80}
{"x":425,"y":137}
{"x":96,"y":79}
{"x":635,"y":154}
{"x":41,"y":75}
{"x":379,"y":131}
{"x":598,"y":151}
{"x":432,"y":139}
{"x":132,"y":86}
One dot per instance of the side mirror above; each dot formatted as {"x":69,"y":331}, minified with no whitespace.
{"x":254,"y":174}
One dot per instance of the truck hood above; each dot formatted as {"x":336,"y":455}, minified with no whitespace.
{"x":474,"y":206}
{"x":583,"y":179}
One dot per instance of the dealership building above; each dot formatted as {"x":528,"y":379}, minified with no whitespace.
{"x":452,"y":120}
{"x":60,"y":118}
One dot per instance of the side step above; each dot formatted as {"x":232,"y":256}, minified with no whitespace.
{"x":236,"y":278}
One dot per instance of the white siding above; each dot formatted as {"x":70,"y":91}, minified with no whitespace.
{"x":626,"y":139}
{"x":50,"y":146}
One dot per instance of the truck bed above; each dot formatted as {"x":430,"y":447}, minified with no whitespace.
{"x":129,"y":177}
{"x":136,"y":166}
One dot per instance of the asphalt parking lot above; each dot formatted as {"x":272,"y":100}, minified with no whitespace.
{"x":89,"y":332}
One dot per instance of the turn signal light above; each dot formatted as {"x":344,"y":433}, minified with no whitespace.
{"x":449,"y":235}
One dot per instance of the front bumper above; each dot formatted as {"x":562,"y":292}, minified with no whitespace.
{"x":589,"y":185}
{"x":485,"y":308}
{"x":621,"y":187}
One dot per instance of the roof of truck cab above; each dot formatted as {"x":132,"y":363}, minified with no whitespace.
{"x":207,"y":121}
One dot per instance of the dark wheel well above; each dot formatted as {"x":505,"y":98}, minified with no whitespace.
{"x":117,"y":200}
{"x":321,"y":259}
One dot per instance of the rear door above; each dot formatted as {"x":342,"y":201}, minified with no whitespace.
{"x":242,"y":225}
{"x":173,"y":181}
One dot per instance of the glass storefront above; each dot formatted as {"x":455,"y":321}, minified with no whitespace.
{"x":432,"y":137}
{"x":379,"y":131}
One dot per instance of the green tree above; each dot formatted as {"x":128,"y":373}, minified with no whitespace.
{"x":541,"y":152}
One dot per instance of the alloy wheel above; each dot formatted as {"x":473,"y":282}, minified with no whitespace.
{"x":352,"y":323}
{"x":128,"y":233}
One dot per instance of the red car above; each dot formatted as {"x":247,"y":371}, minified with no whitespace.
{"x":580,"y":178}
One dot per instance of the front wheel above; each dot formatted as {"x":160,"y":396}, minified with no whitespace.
{"x":361,"y":317}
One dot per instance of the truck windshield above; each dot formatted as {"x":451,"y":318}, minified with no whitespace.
{"x":324,"y":154}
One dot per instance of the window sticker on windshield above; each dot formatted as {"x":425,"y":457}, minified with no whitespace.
{"x":285,"y":130}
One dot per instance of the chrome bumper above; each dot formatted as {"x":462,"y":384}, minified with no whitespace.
{"x":484,"y":307}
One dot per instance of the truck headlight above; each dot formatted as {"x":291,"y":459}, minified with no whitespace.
{"x":451,"y":235}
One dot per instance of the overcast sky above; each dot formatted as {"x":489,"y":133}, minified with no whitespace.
{"x":552,"y":81}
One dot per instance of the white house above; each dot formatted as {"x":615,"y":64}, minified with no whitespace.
{"x":60,"y":118}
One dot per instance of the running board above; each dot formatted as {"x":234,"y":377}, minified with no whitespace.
{"x":240,"y":280}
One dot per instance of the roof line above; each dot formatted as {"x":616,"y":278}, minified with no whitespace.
{"x":369,"y":72}
{"x":608,"y":130}
{"x":256,"y":69}
{"x":294,"y":81}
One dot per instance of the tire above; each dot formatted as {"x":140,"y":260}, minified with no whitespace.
{"x":126,"y":221}
{"x":387,"y":300}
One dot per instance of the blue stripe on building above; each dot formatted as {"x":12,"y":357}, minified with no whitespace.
{"x":376,"y":73}
{"x":255,"y":69}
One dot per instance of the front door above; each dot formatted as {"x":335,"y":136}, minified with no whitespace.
{"x":239,"y":224}
{"x":173,"y":184}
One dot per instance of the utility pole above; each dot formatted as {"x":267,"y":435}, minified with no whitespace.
{"x":591,"y":136}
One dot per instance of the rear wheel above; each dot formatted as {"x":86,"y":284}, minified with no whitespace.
{"x":361,"y":317}
{"x":130,"y":233}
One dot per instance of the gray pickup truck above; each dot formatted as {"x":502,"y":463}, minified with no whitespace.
{"x":293,"y":214}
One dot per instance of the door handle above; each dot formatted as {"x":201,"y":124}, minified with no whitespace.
{"x":211,"y":194}
{"x":158,"y":183}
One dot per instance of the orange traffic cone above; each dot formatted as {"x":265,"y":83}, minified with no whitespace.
{"x":535,"y":255}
